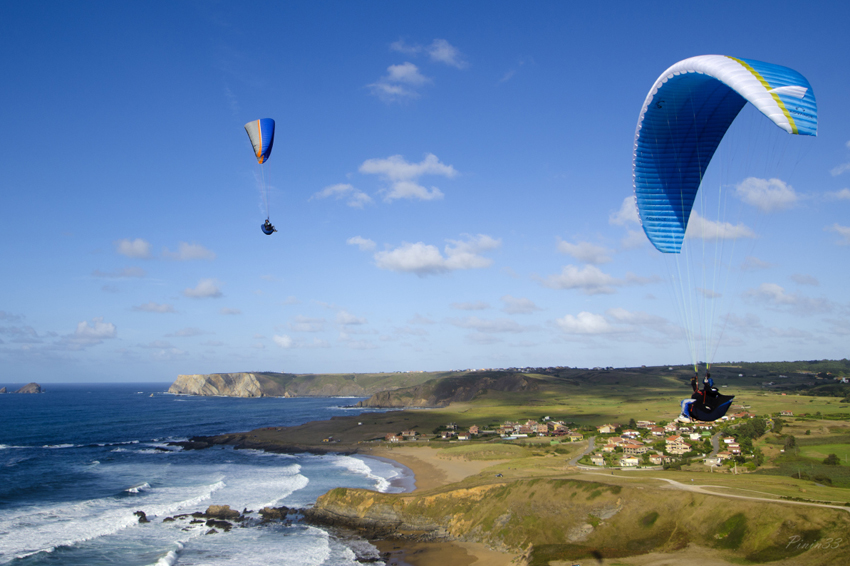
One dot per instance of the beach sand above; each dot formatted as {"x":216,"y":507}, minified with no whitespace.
{"x":408,"y":553}
{"x":429,"y":469}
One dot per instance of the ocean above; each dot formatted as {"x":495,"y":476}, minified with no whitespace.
{"x":77,"y":462}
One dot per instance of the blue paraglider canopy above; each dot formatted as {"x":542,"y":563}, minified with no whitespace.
{"x":267,"y":228}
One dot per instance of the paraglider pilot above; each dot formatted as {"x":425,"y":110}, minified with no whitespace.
{"x":706,"y":404}
{"x":267,"y":228}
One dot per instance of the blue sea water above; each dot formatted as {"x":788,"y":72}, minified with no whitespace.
{"x":77,"y":462}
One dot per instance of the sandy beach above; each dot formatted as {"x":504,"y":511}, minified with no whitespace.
{"x":431,"y":471}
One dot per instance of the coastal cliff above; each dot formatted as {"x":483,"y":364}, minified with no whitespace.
{"x":28,"y":388}
{"x":444,"y":391}
{"x":558,"y":519}
{"x":271,"y":384}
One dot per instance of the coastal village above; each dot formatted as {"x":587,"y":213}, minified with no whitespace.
{"x":647,"y":444}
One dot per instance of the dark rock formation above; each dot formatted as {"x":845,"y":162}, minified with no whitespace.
{"x":222,"y":512}
{"x":30,"y":388}
{"x":142,"y":517}
{"x":2,"y":390}
{"x":271,"y":513}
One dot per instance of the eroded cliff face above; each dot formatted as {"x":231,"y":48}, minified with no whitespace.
{"x":223,"y":384}
{"x":561,"y":519}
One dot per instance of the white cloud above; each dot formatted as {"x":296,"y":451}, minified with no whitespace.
{"x":584,"y":323}
{"x":474,"y":306}
{"x":400,"y":83}
{"x":419,"y":319}
{"x":425,"y":259}
{"x":283,"y":341}
{"x":768,"y":195}
{"x":700,"y":228}
{"x":627,"y":214}
{"x":836,"y":171}
{"x":633,"y":239}
{"x":590,"y":280}
{"x":306,"y":324}
{"x":89,"y":334}
{"x":291,"y":300}
{"x":137,"y":248}
{"x":403,"y":176}
{"x":498,"y":325}
{"x":345,"y":318}
{"x":187,"y":252}
{"x":363,"y":243}
{"x":355,"y":198}
{"x":585,"y":251}
{"x":843,"y":194}
{"x":518,"y":305}
{"x":187,"y":332}
{"x":439,"y":51}
{"x":229,"y":311}
{"x":442,"y":51}
{"x":776,"y":296}
{"x":708,"y":293}
{"x":843,"y":231}
{"x":751,"y":263}
{"x":802,"y":279}
{"x":206,"y":288}
{"x":124,"y":273}
{"x":154,"y":307}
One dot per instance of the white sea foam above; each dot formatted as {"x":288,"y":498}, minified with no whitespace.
{"x":30,"y":530}
{"x":58,"y":446}
{"x":360,"y":467}
{"x":138,"y":488}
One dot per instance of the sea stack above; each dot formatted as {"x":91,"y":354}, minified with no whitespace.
{"x":30,"y":388}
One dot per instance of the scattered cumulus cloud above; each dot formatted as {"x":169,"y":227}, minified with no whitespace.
{"x":843,"y":231}
{"x":590,"y":280}
{"x":206,"y":288}
{"x":802,"y":279}
{"x":283,"y":341}
{"x":425,"y":259}
{"x":187,"y":333}
{"x":344,"y":191}
{"x":124,"y":273}
{"x":137,"y":248}
{"x":400,"y":83}
{"x":307,"y":324}
{"x":627,"y":214}
{"x":703,"y":229}
{"x":843,"y":194}
{"x":364,"y":244}
{"x":518,"y":305}
{"x":473,"y":306}
{"x":844,"y":167}
{"x":154,"y":307}
{"x":708,"y":293}
{"x":489,"y":326}
{"x":439,"y":51}
{"x":775,"y":296}
{"x":188,"y":252}
{"x":585,"y":251}
{"x":584,"y":323}
{"x":768,"y":195}
{"x":752,"y":263}
{"x":403,"y":176}
{"x":89,"y":334}
{"x":229,"y":311}
{"x":345,"y":318}
{"x":419,"y":319}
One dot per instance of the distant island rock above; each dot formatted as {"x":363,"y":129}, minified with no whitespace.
{"x":2,"y":390}
{"x":271,"y":384}
{"x":29,"y":388}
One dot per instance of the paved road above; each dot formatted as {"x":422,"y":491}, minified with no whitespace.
{"x":587,"y":451}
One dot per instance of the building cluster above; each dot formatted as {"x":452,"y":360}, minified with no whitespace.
{"x":634,"y":444}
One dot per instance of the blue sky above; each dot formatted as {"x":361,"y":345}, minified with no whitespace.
{"x":450,"y":183}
